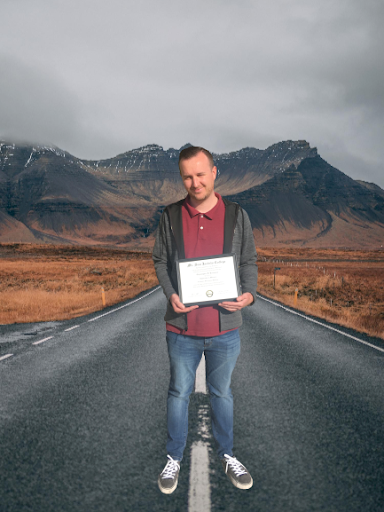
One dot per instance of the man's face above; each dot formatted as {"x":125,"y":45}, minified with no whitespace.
{"x":198,"y":177}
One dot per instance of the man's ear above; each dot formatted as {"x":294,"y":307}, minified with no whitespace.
{"x":214,"y":170}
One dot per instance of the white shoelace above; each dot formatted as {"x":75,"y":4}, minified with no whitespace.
{"x":236,"y":466}
{"x":170,"y":469}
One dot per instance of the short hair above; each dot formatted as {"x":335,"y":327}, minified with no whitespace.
{"x":192,"y":151}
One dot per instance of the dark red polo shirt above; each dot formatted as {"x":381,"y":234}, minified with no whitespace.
{"x":203,"y":236}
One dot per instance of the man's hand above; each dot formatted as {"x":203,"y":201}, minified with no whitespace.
{"x":241,"y":302}
{"x":178,"y":306}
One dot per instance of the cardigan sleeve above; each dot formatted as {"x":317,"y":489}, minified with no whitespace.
{"x":248,"y":269}
{"x":161,"y":258}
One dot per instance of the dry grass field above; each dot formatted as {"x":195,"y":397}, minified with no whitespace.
{"x":43,"y":282}
{"x":344,"y":287}
{"x":46,"y":282}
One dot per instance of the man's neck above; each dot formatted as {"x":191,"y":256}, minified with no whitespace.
{"x":204,"y":206}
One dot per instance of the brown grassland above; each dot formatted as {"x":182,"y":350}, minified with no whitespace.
{"x":46,"y":282}
{"x":343,"y":287}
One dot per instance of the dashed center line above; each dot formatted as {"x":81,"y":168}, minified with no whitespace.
{"x":199,"y":493}
{"x":200,"y":384}
{"x":5,"y":356}
{"x":42,"y":341}
{"x":95,"y":318}
{"x":70,"y":328}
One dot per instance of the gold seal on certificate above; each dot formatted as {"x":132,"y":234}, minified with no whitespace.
{"x":208,"y":280}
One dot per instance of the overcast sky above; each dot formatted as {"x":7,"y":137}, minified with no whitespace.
{"x":98,"y":77}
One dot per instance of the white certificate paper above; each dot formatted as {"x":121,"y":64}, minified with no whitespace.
{"x":210,"y":280}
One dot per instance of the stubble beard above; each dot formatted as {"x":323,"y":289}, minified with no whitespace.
{"x":200,"y":199}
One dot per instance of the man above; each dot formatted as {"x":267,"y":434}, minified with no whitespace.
{"x":203,"y":224}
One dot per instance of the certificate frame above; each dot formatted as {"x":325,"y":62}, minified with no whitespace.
{"x":206,"y":268}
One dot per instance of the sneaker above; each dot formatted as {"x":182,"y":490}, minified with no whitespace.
{"x":236,"y":472}
{"x":169,"y":477}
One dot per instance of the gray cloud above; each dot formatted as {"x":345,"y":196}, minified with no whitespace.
{"x":36,"y":107}
{"x":100,"y":78}
{"x":33,"y":105}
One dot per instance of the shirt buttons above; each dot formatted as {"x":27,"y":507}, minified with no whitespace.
{"x":202,"y":216}
{"x":201,"y":227}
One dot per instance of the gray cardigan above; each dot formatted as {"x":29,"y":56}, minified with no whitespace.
{"x":169,"y":247}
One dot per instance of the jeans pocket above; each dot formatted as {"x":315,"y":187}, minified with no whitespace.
{"x":172,"y":337}
{"x":233,"y":343}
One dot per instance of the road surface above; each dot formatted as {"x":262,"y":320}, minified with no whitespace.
{"x":83,"y":416}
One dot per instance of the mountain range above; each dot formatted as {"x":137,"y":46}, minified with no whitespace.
{"x":293,"y":196}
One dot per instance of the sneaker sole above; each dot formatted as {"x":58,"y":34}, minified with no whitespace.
{"x":240,"y":485}
{"x":167,"y":490}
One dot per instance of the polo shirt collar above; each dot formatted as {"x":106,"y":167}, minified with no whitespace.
{"x":210,"y":215}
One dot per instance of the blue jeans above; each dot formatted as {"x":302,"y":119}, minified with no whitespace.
{"x":221,"y":353}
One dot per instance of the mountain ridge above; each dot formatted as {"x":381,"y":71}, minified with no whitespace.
{"x":290,"y":193}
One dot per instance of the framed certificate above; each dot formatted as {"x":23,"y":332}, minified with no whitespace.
{"x":208,"y":280}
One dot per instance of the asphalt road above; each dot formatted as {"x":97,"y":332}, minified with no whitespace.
{"x":83,"y":418}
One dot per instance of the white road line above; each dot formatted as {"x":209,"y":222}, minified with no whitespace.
{"x":200,"y":384}
{"x":320,"y":323}
{"x":41,"y":341}
{"x":199,"y":493}
{"x":5,"y":357}
{"x":124,"y":306}
{"x":70,"y":328}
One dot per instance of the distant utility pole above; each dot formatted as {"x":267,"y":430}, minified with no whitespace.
{"x":274,"y":277}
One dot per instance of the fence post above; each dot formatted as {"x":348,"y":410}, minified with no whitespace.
{"x":103,"y":296}
{"x":295,"y":298}
{"x":274,"y":277}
